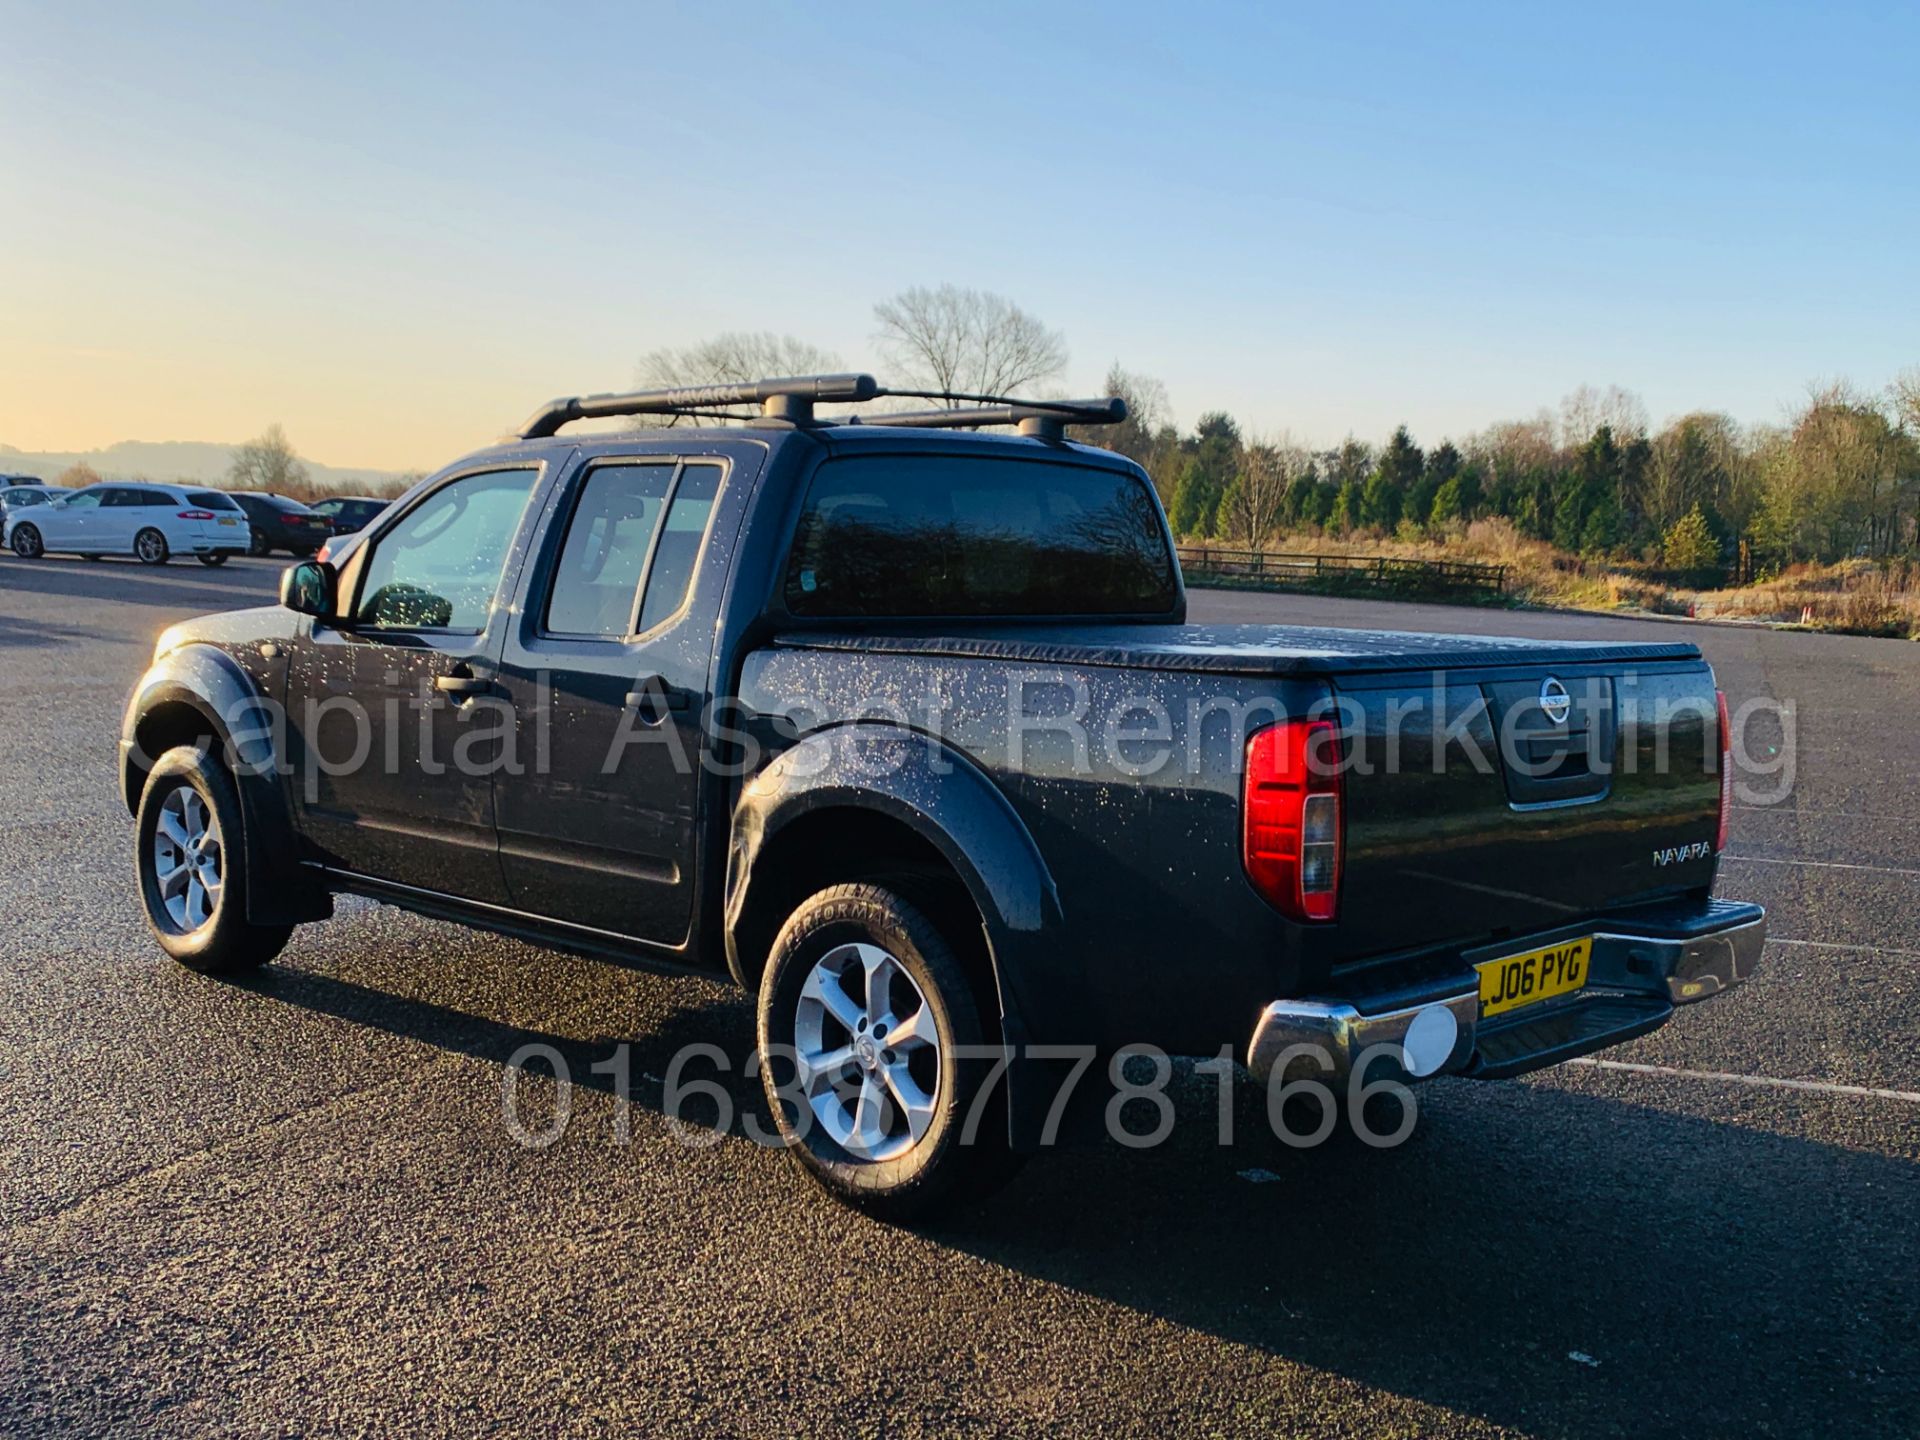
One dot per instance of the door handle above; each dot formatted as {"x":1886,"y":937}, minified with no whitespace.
{"x":461,"y":687}
{"x":654,"y":698}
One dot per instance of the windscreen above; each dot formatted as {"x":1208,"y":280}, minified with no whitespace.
{"x":924,"y":535}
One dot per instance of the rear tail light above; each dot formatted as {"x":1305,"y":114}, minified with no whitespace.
{"x":1292,"y":818}
{"x":197,"y":515}
{"x":321,"y":554}
{"x":1726,"y":771}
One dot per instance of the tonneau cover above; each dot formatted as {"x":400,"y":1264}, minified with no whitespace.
{"x":1242,"y":649}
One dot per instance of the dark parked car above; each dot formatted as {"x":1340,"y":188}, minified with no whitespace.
{"x":865,"y":713}
{"x":349,"y":514}
{"x":280,"y":523}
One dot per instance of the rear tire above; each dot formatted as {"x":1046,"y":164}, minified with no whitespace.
{"x":27,"y":543}
{"x":150,"y":547}
{"x":880,"y":1126}
{"x":257,"y":547}
{"x":191,"y":855}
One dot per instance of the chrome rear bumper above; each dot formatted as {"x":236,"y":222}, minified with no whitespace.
{"x":1642,"y":967}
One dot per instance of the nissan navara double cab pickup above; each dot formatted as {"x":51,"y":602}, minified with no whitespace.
{"x":898,"y":721}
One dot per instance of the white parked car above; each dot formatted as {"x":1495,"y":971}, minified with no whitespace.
{"x":18,"y":492}
{"x":150,"y":522}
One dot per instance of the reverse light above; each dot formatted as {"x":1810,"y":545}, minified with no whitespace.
{"x":1292,"y":819}
{"x":197,"y":515}
{"x":1726,"y":772}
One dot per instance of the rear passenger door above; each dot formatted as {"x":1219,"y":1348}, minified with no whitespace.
{"x":607,"y":668}
{"x":112,"y":527}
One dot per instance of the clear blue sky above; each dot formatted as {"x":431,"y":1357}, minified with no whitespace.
{"x":396,"y":228}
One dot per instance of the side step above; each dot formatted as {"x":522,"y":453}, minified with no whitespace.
{"x":1529,"y":1043}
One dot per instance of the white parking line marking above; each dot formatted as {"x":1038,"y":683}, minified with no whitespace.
{"x":1764,"y":1082}
{"x":1814,"y":810}
{"x":1821,"y":864}
{"x":1830,"y":945}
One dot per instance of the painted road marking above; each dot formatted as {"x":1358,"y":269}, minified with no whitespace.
{"x":1820,"y":864}
{"x":1857,"y":949}
{"x":1765,"y":1082}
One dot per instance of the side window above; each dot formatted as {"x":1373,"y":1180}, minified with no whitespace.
{"x":117,"y":498}
{"x":614,"y":518}
{"x":678,"y":552}
{"x":439,"y":567}
{"x":85,"y":500}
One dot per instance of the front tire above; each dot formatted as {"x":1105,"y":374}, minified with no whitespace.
{"x":865,"y":1015}
{"x":150,"y":547}
{"x":27,"y":543}
{"x":192,"y":860}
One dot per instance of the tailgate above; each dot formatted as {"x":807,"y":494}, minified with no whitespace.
{"x":1487,"y":803}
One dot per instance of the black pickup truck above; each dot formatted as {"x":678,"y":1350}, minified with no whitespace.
{"x":900,"y":722}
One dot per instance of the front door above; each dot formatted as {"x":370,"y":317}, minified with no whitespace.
{"x":609,"y":669}
{"x":73,"y":523}
{"x":398,"y":727}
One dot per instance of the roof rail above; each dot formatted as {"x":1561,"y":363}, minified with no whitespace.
{"x":1045,"y":419}
{"x":791,"y":399}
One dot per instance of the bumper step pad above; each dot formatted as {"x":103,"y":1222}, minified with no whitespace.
{"x":1593,"y":1023}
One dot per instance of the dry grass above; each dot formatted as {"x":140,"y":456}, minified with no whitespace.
{"x":307,"y":492}
{"x":1860,"y":597}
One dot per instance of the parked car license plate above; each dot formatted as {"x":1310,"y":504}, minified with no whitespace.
{"x":1516,"y":980}
{"x":225,"y":520}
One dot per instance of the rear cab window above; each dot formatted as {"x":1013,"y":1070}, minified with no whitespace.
{"x":928,"y":536}
{"x":632,"y":544}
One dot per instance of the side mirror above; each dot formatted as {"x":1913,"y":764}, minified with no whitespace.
{"x":307,"y":589}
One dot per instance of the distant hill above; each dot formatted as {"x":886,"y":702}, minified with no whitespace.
{"x":170,"y":460}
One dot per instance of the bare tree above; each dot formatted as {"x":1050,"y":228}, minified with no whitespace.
{"x":954,"y":339}
{"x":1136,"y":437}
{"x":1586,"y":409}
{"x":1904,"y":395}
{"x":1254,"y":497}
{"x":1694,"y":461}
{"x":267,"y":462}
{"x":1511,"y":447}
{"x":735,"y":358}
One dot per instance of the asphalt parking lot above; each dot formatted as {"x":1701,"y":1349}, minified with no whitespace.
{"x":291,"y":1205}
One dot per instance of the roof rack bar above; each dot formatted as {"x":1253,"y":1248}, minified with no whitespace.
{"x":791,"y":399}
{"x":1045,"y":419}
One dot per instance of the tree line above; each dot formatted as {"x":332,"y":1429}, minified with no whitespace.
{"x":1840,"y":478}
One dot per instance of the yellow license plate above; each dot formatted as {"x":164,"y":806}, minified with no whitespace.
{"x":1516,"y":980}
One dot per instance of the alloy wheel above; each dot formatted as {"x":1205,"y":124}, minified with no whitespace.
{"x":188,"y":864}
{"x":867,"y":1052}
